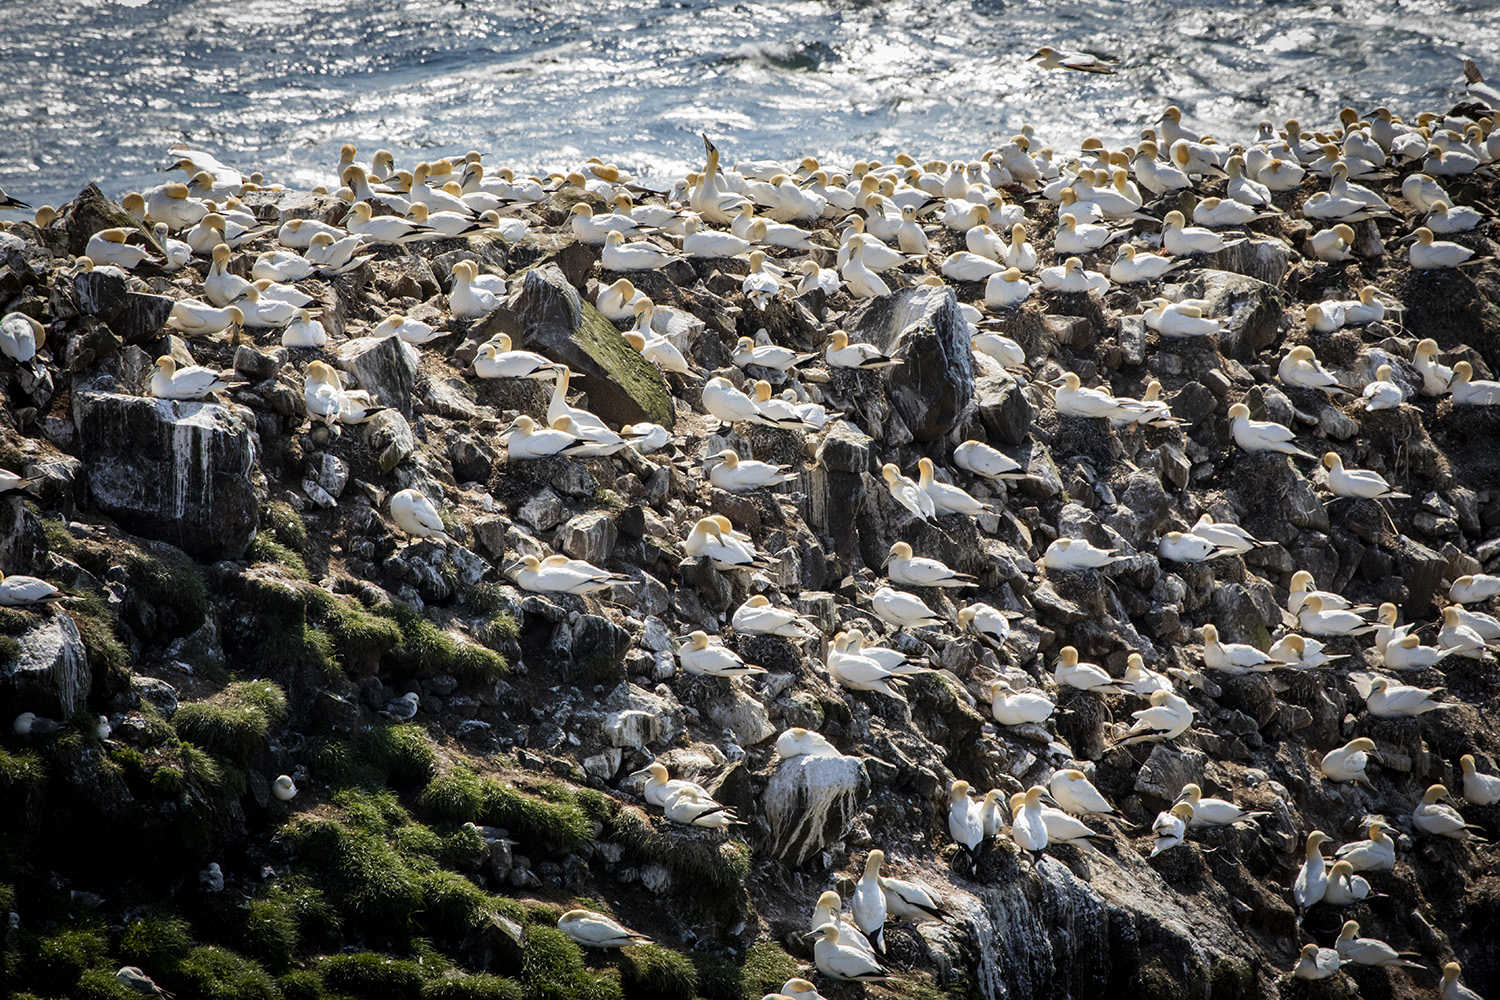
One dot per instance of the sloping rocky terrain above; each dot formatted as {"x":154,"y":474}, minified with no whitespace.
{"x":242,"y":607}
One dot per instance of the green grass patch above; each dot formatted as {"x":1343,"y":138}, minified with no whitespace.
{"x":264,"y":550}
{"x":285,"y":525}
{"x":428,"y":650}
{"x":720,"y":864}
{"x":554,"y":969}
{"x":651,"y":972}
{"x":477,"y":987}
{"x":359,"y":637}
{"x":367,"y":975}
{"x":61,"y":958}
{"x":171,"y":581}
{"x":556,"y":816}
{"x":155,"y":943}
{"x":209,"y":972}
{"x":236,"y":721}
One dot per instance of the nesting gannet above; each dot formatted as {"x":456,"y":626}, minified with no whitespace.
{"x":902,"y":610}
{"x":825,"y":279}
{"x":827,"y":910}
{"x":1180,"y":239}
{"x":868,"y":903}
{"x":1129,"y":266}
{"x":1312,"y":878}
{"x":1170,"y":827}
{"x":1069,"y":672}
{"x":1073,"y":399}
{"x":1368,"y":951}
{"x":1466,"y":391}
{"x":1076,"y":794}
{"x":322,"y":393}
{"x":1333,"y":244}
{"x":1232,"y":657}
{"x":1315,"y":619}
{"x":840,"y":353}
{"x":735,"y":475}
{"x":1169,"y":717}
{"x":1180,"y":319}
{"x":1390,"y":700}
{"x":1451,"y":988}
{"x":108,"y":246}
{"x":284,"y":788}
{"x":1432,"y":816}
{"x":621,"y":256}
{"x":722,"y":400}
{"x":1262,"y":435}
{"x":20,"y":336}
{"x":362,"y":221}
{"x":1301,"y":368}
{"x":1139,"y":680}
{"x":919,"y":571}
{"x":524,"y":440}
{"x":799,"y":742}
{"x":907,"y":492}
{"x":1435,"y":377}
{"x":417,"y":516}
{"x":298,"y":234}
{"x":1213,"y":812}
{"x":998,"y":346}
{"x":946,"y":499}
{"x":906,"y":900}
{"x":862,"y":673}
{"x":259,"y":311}
{"x":767,"y":356}
{"x":618,"y":301}
{"x":1479,"y":789}
{"x":570,"y":578}
{"x":1077,"y":553}
{"x":1473,"y":588}
{"x":1344,"y":887}
{"x":1189,"y":548}
{"x":497,"y":359}
{"x":1384,"y":393}
{"x":1225,"y":534}
{"x":1429,"y":254}
{"x":1018,"y":708}
{"x":757,"y":615}
{"x":1316,"y":963}
{"x":983,"y":460}
{"x":1377,"y":854}
{"x":1302,"y":587}
{"x":1028,"y":827}
{"x":1347,"y":763}
{"x":595,"y":930}
{"x":1071,"y":277}
{"x":841,"y":961}
{"x":797,"y":989}
{"x":304,"y":331}
{"x":190,"y":383}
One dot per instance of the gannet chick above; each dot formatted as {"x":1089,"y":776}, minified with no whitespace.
{"x":1261,"y":435}
{"x":1170,"y":827}
{"x":1316,"y":963}
{"x":840,"y":353}
{"x":1432,"y":816}
{"x":1473,"y":588}
{"x":1467,"y":392}
{"x":798,"y":742}
{"x":1300,"y":368}
{"x":1344,"y":887}
{"x":1377,"y":854}
{"x":1077,"y":553}
{"x":417,"y":516}
{"x":1232,"y":657}
{"x":1081,"y":62}
{"x":1368,"y":951}
{"x":595,"y":930}
{"x":840,"y":961}
{"x":757,"y":615}
{"x":1479,"y":789}
{"x":284,"y":788}
{"x":1347,"y":763}
{"x":1018,"y":708}
{"x":1213,"y":812}
{"x":1312,"y":878}
{"x":1069,"y":672}
{"x":193,"y":382}
{"x":1395,"y":701}
{"x":1076,"y":794}
{"x":902,"y":610}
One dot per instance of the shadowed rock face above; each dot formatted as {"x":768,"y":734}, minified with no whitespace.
{"x":174,"y":471}
{"x":923,"y":327}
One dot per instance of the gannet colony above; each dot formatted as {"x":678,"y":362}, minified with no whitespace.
{"x":1031,"y":574}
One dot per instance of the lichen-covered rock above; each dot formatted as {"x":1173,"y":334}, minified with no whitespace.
{"x":49,"y":673}
{"x":175,"y":471}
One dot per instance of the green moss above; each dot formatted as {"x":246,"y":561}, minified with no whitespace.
{"x":554,"y":969}
{"x":560,"y":825}
{"x":366,"y":878}
{"x":1155,"y":983}
{"x":640,"y":379}
{"x":464,"y":843}
{"x":1230,"y":978}
{"x":343,"y":764}
{"x":170,"y":580}
{"x":487,"y":597}
{"x":403,"y":751}
{"x":10,"y":649}
{"x":266,"y":551}
{"x":650,"y":972}
{"x":480,"y":987}
{"x":234,"y":722}
{"x":64,"y":956}
{"x":370,"y":976}
{"x":18,"y":621}
{"x":500,"y":627}
{"x":454,"y":907}
{"x":212,"y":973}
{"x":21,"y":772}
{"x":155,"y":943}
{"x":429,"y":650}
{"x":285,"y":524}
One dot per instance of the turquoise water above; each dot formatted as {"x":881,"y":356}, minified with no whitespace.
{"x":96,"y":90}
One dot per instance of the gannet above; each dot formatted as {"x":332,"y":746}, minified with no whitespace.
{"x":868,"y":903}
{"x":322,"y":393}
{"x":1435,"y":377}
{"x":1130,"y":266}
{"x":1456,"y":638}
{"x":1452,"y":989}
{"x":1073,"y":399}
{"x":1028,"y":828}
{"x":798,"y":989}
{"x":178,"y":253}
{"x":595,"y":229}
{"x":466,"y":300}
{"x":998,"y":346}
{"x":735,"y":475}
{"x":1347,"y":763}
{"x":722,"y":400}
{"x":385,"y":228}
{"x":1170,"y":827}
{"x":595,"y":930}
{"x":1223,"y":212}
{"x":524,"y":440}
{"x":1168,"y":718}
{"x":1364,"y":310}
{"x":1388,"y":700}
{"x":412,"y":331}
{"x":902,"y":610}
{"x":841,"y":961}
{"x":1301,"y":368}
{"x":1018,"y":708}
{"x":862,"y":282}
{"x":983,"y":460}
{"x":861,"y":673}
{"x":1074,"y":237}
{"x":108,"y":246}
{"x":1154,"y":175}
{"x":416,"y":515}
{"x":992,"y":814}
{"x":298,"y":234}
{"x":1072,"y":278}
{"x":567,"y":578}
{"x":304,"y":331}
{"x":1433,"y":817}
{"x":708,"y":539}
{"x":618,"y":301}
{"x":1302,"y":587}
{"x":1077,"y":553}
{"x":190,"y":383}
{"x":689,"y":809}
{"x":1467,"y":392}
{"x":21,"y":336}
{"x":1225,"y":534}
{"x":598,"y":440}
{"x":1312,"y":878}
{"x":965,"y":266}
{"x":798,"y":742}
{"x":1189,"y":548}
{"x":1377,"y":854}
{"x":1358,"y":483}
{"x":1315,"y":620}
{"x":1345,"y":887}
{"x":964,"y":823}
{"x":496,"y":359}
{"x":1210,"y":811}
{"x":827,"y":910}
{"x":1068,"y":671}
{"x":1479,"y":789}
{"x":919,"y":571}
{"x":1316,"y":963}
{"x":1427,"y":253}
{"x":1232,"y":657}
{"x":840,"y":353}
{"x":1140,"y":681}
{"x":1383,"y":393}
{"x":907,"y":492}
{"x":1473,"y":588}
{"x":1180,"y":319}
{"x":758,"y":616}
{"x":824,"y":278}
{"x":10,"y":482}
{"x":946,"y":499}
{"x":1179,"y":239}
{"x":1076,"y":794}
{"x":7,"y":203}
{"x":284,"y":788}
{"x":1081,"y":62}
{"x":1261,"y":435}
{"x":1444,"y":218}
{"x":621,"y":256}
{"x":1333,"y":244}
{"x":258,"y":311}
{"x":767,"y":356}
{"x":281,"y":265}
{"x":645,"y":438}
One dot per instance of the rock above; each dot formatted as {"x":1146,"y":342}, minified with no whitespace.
{"x":743,"y":716}
{"x":632,"y":728}
{"x":623,"y":387}
{"x":1004,"y":409}
{"x":922,"y":326}
{"x":286,"y":204}
{"x":50,"y":672}
{"x":599,"y":647}
{"x":1166,"y":771}
{"x":385,"y":366}
{"x":254,"y":365}
{"x":391,"y":436}
{"x":811,"y":802}
{"x":1251,"y":308}
{"x":590,"y":537}
{"x":155,"y":692}
{"x":176,"y":471}
{"x":90,"y":212}
{"x":845,"y":449}
{"x":132,"y":316}
{"x":1265,"y":260}
{"x":542,"y":511}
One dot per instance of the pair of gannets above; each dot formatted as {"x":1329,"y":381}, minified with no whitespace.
{"x":559,"y":574}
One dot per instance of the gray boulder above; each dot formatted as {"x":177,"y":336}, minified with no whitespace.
{"x":811,"y":802}
{"x":386,"y":366}
{"x":50,"y":672}
{"x":175,"y":471}
{"x":1252,"y":309}
{"x":924,"y":328}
